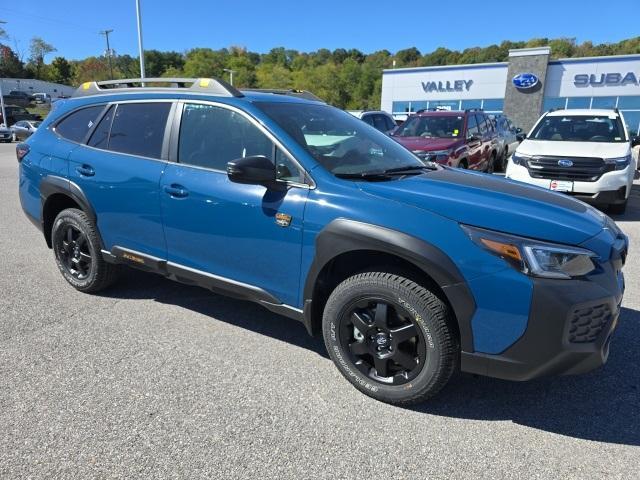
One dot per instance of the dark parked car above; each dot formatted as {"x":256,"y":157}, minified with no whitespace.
{"x":507,"y":138}
{"x":401,"y":266}
{"x":377,"y":119}
{"x":16,"y":97}
{"x":16,"y":113}
{"x":464,"y":139}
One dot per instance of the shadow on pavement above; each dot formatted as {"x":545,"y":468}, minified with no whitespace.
{"x":603,"y":405}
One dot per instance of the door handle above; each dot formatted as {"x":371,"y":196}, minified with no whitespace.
{"x":176,"y":191}
{"x":86,"y":170}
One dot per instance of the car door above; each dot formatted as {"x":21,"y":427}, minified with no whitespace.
{"x":119,"y":171}
{"x":21,"y":130}
{"x":473,"y":142}
{"x":248,"y":235}
{"x":486,"y":135}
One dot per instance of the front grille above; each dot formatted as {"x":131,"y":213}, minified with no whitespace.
{"x":587,"y":323}
{"x":584,"y":169}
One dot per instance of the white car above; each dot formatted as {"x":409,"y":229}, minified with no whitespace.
{"x":584,"y":153}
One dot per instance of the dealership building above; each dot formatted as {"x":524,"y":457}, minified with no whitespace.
{"x":522,"y":88}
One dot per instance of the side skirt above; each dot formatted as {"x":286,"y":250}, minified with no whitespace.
{"x":191,"y":276}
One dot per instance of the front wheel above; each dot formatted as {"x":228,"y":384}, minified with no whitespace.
{"x":390,"y":337}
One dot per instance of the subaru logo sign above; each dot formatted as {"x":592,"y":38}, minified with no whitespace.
{"x":565,"y":163}
{"x":524,"y":81}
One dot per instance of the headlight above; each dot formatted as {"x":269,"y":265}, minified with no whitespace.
{"x":520,"y":159}
{"x":436,"y":156}
{"x":620,"y":162}
{"x":532,"y":257}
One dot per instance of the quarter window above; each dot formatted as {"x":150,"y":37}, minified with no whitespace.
{"x":472,"y":126}
{"x":138,"y":128}
{"x":75,"y":127}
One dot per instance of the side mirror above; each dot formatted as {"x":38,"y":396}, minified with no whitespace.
{"x":518,"y":130}
{"x":635,"y":141}
{"x":473,"y":138}
{"x":255,"y":170}
{"x":521,"y":136}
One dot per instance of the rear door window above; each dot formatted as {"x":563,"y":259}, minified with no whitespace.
{"x":75,"y":126}
{"x":482,"y":124}
{"x":380,"y":123}
{"x":138,"y":129}
{"x":368,"y":119}
{"x":472,"y":126}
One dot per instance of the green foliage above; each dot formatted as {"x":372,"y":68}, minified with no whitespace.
{"x":346,"y":78}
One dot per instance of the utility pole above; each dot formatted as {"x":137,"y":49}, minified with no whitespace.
{"x":140,"y":48}
{"x":106,"y":35}
{"x":4,"y":113}
{"x":230,"y":72}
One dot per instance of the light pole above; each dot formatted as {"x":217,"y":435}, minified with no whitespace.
{"x":141,"y":50}
{"x":106,"y":35}
{"x":230,"y":72}
{"x":4,"y":114}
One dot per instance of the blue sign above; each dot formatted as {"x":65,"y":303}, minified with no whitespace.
{"x":565,"y":163}
{"x":525,"y":81}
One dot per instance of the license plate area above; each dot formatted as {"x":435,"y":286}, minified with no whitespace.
{"x":561,"y":186}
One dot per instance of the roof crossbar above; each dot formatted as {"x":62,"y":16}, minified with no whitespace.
{"x":213,"y":86}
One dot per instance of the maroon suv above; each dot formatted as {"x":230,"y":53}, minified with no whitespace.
{"x":465,"y":139}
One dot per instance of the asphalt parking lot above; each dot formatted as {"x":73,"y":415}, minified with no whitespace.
{"x":155,"y":379}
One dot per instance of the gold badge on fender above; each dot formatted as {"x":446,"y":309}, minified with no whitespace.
{"x":283,"y":219}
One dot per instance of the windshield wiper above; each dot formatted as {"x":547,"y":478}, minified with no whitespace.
{"x":388,"y":173}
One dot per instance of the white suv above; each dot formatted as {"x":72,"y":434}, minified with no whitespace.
{"x":584,"y":153}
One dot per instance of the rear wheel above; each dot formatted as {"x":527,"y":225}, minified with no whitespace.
{"x":463,"y":164}
{"x":390,"y":337}
{"x":504,"y":160}
{"x":492,"y":163}
{"x":76,"y":247}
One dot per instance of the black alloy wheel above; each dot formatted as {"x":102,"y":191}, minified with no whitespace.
{"x":73,"y":252}
{"x":383,"y":340}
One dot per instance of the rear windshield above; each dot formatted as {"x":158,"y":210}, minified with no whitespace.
{"x":431,"y":126}
{"x":580,"y":128}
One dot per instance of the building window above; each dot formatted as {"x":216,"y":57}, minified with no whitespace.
{"x":604,"y":102}
{"x":445,"y":104}
{"x":578,"y":102}
{"x":401,"y":107}
{"x":495,"y":105}
{"x":553,"y":102}
{"x":468,"y":104}
{"x":629,"y":102}
{"x":415,"y":106}
{"x":632,"y":119}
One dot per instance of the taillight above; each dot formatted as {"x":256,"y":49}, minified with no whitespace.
{"x":21,"y":150}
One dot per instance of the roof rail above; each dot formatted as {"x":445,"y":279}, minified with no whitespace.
{"x":204,"y":85}
{"x":292,"y":92}
{"x":474,"y":109}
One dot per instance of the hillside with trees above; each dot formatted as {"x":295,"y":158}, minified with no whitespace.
{"x":349,"y":79}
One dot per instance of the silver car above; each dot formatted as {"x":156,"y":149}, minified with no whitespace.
{"x":24,"y":129}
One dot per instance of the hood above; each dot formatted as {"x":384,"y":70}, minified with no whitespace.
{"x":574,"y":149}
{"x":426,"y":144}
{"x":495,"y":203}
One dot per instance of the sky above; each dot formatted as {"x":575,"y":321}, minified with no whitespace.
{"x":72,"y":26}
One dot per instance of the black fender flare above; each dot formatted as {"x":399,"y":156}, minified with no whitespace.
{"x":344,"y":235}
{"x":53,"y":184}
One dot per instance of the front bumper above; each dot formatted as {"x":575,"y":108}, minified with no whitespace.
{"x":611,"y":187}
{"x":570,"y":326}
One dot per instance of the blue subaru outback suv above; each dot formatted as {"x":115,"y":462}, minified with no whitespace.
{"x":408,"y":270}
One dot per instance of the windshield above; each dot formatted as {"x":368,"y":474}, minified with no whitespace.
{"x":580,"y":128}
{"x":340,"y":142}
{"x":432,"y":126}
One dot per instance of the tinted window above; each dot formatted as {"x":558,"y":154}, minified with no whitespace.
{"x":76,"y":126}
{"x":472,"y":126}
{"x":286,"y":169}
{"x":431,"y":126}
{"x":212,"y":136}
{"x":379,"y":121}
{"x":368,"y":119}
{"x":138,"y":129}
{"x":390,"y":123}
{"x":482,"y":124}
{"x":579,"y":128}
{"x":100,"y":136}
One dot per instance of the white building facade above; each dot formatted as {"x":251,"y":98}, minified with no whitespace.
{"x":595,"y":82}
{"x":32,"y":86}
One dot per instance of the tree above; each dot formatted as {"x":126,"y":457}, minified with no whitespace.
{"x":61,"y":71}
{"x":205,"y":62}
{"x":157,"y":62}
{"x":10,"y":64}
{"x":38,"y":50}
